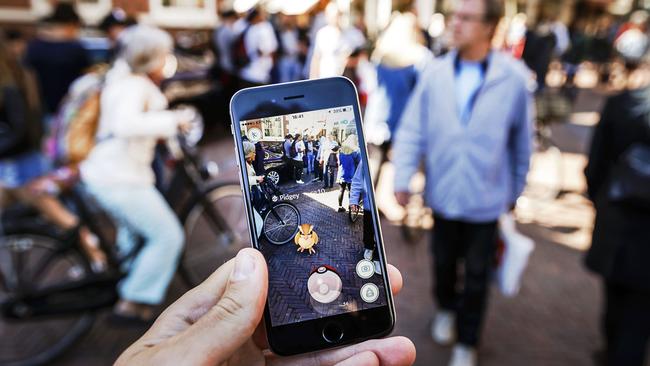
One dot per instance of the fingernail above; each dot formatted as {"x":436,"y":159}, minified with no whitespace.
{"x":244,"y":266}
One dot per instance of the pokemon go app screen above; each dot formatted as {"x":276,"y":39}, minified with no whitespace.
{"x":307,"y":187}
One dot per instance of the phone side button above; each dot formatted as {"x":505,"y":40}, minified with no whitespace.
{"x":332,"y":332}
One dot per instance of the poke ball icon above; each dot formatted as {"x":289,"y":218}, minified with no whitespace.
{"x":324,"y":285}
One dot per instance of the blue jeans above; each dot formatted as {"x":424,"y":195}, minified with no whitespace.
{"x":143,"y":212}
{"x":310,"y":162}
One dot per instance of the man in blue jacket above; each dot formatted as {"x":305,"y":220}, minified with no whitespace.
{"x":469,"y":118}
{"x":358,"y":191}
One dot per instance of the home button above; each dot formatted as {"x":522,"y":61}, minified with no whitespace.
{"x":332,"y":332}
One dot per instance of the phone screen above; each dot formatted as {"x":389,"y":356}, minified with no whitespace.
{"x":312,"y":214}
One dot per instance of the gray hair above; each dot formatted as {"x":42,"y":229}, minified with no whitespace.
{"x":249,"y":148}
{"x":143,"y":47}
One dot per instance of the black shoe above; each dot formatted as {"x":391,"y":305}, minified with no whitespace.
{"x":342,"y":209}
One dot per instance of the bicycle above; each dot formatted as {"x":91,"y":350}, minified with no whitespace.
{"x":280,"y":220}
{"x":46,"y":281}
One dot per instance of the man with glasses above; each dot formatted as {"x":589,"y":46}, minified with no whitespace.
{"x":470,"y":118}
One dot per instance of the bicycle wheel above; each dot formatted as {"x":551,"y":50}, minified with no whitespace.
{"x":281,"y":223}
{"x":215,"y":230}
{"x":31,"y":262}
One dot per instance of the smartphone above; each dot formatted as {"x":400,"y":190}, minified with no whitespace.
{"x":328,"y":284}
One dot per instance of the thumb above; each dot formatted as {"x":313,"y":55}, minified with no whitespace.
{"x":233,"y":319}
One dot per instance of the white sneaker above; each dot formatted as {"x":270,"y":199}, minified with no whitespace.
{"x":300,"y":182}
{"x":463,"y":356}
{"x":367,"y":254}
{"x":443,"y":328}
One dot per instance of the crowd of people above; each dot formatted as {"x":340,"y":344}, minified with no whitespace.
{"x":464,"y":111}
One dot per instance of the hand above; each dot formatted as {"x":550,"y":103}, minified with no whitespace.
{"x":403,"y":198}
{"x":260,"y":178}
{"x":218,"y":322}
{"x":354,"y":208}
{"x":185,"y":118}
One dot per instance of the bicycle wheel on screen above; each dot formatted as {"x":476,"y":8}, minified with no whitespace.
{"x":215,"y":230}
{"x":31,"y":263}
{"x":281,"y":223}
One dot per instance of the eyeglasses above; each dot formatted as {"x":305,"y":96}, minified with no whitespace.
{"x":466,"y":17}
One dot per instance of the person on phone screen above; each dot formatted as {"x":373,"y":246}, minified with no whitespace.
{"x":470,"y":117}
{"x":297,"y":152}
{"x":254,"y":180}
{"x":349,"y":158}
{"x":358,"y":191}
{"x":332,"y":167}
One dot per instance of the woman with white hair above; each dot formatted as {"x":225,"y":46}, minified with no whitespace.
{"x":253,"y":181}
{"x":118,"y":171}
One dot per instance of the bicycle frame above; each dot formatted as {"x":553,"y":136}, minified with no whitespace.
{"x":99,"y":290}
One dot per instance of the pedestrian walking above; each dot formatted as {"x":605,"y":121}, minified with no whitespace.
{"x":333,"y":44}
{"x":297,"y":152}
{"x":332,"y":167}
{"x":57,"y":56}
{"x":325,"y":148}
{"x":620,"y":250}
{"x":399,"y":58}
{"x":260,"y":44}
{"x":305,"y":160}
{"x":349,"y":158}
{"x":358,"y":192}
{"x":258,"y":163}
{"x":469,"y":118}
{"x":310,"y":155}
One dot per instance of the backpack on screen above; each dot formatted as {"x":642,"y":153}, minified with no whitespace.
{"x":293,"y":152}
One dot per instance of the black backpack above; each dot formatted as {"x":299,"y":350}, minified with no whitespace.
{"x":292,"y":151}
{"x":238,"y":52}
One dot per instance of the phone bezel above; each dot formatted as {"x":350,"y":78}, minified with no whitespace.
{"x":295,"y":97}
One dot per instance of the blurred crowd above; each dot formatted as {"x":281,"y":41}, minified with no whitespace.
{"x":457,"y":98}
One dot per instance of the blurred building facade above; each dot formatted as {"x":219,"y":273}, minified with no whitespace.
{"x":373,"y":14}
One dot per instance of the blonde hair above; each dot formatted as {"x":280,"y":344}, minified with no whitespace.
{"x":350,"y":145}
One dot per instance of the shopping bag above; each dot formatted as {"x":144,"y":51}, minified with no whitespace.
{"x":514,"y":257}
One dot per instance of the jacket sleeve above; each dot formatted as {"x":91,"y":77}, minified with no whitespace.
{"x":358,"y":184}
{"x":520,"y":143}
{"x":600,"y":154}
{"x":410,"y":138}
{"x":132,"y":120}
